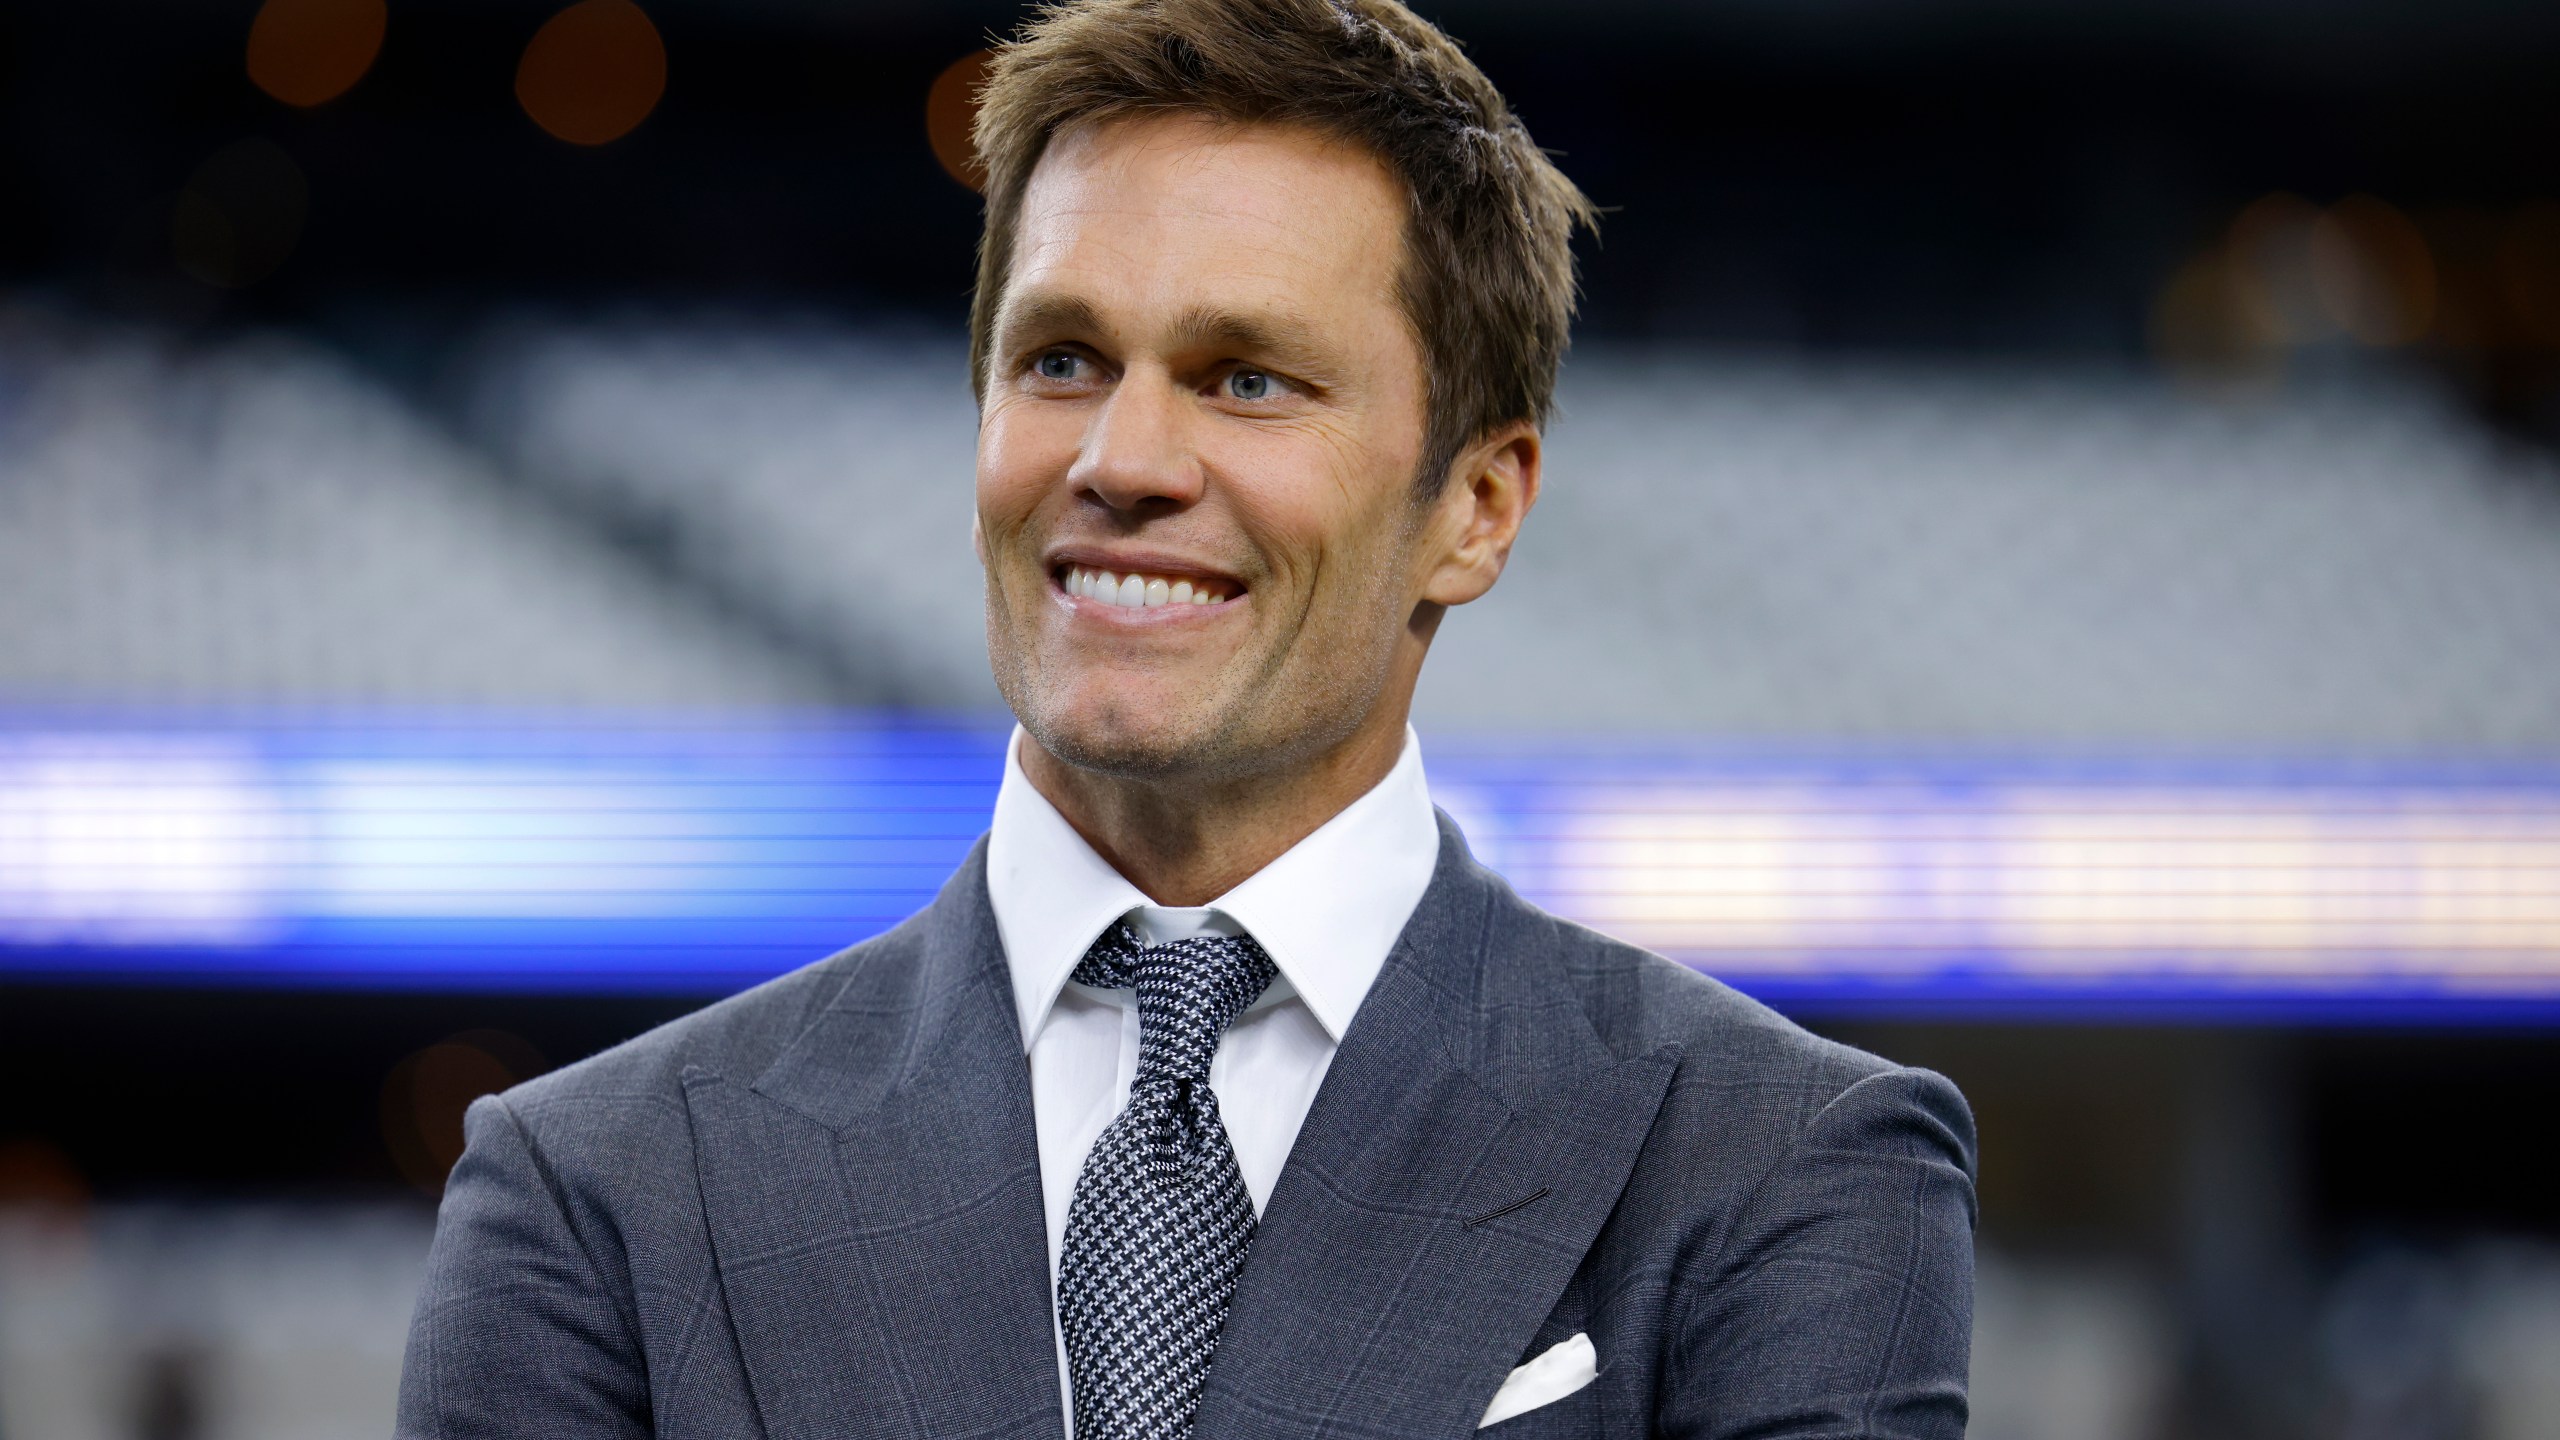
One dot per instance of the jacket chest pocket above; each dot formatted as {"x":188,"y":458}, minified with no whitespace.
{"x":1572,"y":1417}
{"x":1555,"y":1390}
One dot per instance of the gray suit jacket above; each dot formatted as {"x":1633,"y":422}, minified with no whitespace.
{"x":814,"y":1210}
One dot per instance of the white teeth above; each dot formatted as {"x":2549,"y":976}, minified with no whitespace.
{"x":1135,"y":591}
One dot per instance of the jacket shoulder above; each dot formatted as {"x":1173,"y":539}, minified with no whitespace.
{"x":738,"y":1037}
{"x":1750,"y":1082}
{"x":1639,"y":1002}
{"x":1749,"y":1079}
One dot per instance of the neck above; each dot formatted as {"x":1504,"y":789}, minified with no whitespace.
{"x":1185,"y":841}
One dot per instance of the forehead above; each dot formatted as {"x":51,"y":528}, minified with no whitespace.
{"x":1162,"y":214}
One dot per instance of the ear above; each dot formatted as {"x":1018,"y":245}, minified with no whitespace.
{"x":1488,"y":494}
{"x":978,"y":538}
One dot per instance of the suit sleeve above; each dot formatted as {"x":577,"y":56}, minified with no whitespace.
{"x":516,"y":1331}
{"x":1840,"y":1306}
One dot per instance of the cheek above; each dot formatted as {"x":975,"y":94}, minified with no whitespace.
{"x":1020,"y":460}
{"x":1308,"y":497}
{"x":1348,"y":554}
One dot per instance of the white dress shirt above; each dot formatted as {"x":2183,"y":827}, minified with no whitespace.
{"x":1327,"y":911}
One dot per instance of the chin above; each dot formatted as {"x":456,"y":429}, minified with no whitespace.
{"x":1131,"y":752}
{"x":1117,"y":732}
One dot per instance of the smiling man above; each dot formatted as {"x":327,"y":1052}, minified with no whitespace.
{"x":1213,"y":563}
{"x":1221,"y":1093}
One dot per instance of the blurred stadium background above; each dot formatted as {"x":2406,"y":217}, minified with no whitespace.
{"x":2051,"y":570}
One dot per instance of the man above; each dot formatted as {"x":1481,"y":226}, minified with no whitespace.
{"x":1221,"y":1093}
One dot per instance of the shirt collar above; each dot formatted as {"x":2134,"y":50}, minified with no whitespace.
{"x":1327,"y":910}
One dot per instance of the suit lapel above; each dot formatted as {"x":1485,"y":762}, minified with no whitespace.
{"x":1466,"y":1146}
{"x":874,"y":1199}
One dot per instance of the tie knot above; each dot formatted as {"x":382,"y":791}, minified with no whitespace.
{"x":1189,"y":991}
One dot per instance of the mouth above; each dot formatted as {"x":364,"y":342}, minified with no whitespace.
{"x":1144,"y":590}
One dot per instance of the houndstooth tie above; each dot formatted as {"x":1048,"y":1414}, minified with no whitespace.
{"x":1160,"y":1222}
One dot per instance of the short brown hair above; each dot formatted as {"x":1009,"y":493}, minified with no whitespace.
{"x":1488,"y":277}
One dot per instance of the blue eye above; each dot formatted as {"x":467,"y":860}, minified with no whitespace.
{"x":1056,"y":365}
{"x":1249,"y":385}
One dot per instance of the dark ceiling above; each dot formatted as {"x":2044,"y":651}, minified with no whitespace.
{"x":1842,"y":174}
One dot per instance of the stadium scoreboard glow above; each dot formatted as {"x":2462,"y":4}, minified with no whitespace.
{"x":658,"y":855}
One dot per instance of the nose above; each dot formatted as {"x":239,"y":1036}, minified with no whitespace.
{"x":1137,"y":453}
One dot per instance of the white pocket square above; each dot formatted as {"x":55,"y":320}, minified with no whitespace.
{"x":1567,"y":1366}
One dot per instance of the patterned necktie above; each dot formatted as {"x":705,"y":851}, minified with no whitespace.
{"x":1160,"y":1222}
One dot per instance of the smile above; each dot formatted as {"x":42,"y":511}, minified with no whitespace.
{"x":1137,"y":591}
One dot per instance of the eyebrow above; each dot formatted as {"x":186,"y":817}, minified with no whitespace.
{"x":1287,"y":341}
{"x":1046,"y":312}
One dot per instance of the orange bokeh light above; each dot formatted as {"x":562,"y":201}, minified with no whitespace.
{"x":950,"y":110}
{"x":425,"y":1096}
{"x":309,"y":52}
{"x":593,"y":72}
{"x":2529,"y":266}
{"x":2373,"y":271}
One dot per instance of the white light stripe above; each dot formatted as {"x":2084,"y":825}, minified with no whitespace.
{"x":2063,"y":881}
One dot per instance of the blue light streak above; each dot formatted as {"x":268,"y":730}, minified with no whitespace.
{"x":664,"y":854}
